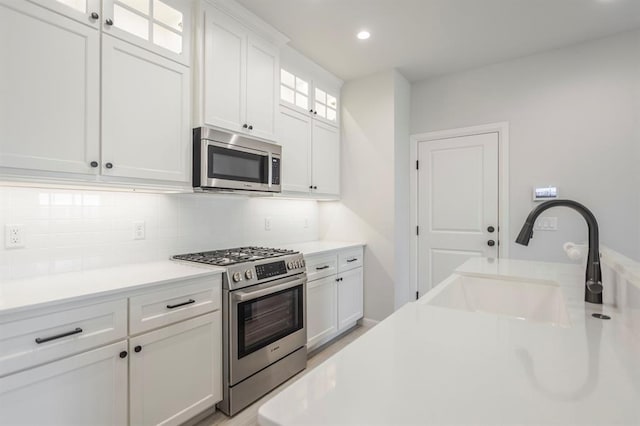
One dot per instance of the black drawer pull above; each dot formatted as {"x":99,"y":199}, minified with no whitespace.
{"x":322,"y":267}
{"x":353,"y":259}
{"x":188,"y":302}
{"x":58,"y":336}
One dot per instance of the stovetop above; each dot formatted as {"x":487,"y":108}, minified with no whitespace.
{"x":233,"y":256}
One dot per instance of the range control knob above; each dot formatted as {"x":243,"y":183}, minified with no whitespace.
{"x":297,"y":263}
{"x":249,"y":274}
{"x":237,"y":276}
{"x":290,"y":265}
{"x":302,"y":264}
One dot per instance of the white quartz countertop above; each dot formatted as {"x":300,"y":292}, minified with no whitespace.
{"x":432,"y":365}
{"x":30,"y":293}
{"x":314,"y":247}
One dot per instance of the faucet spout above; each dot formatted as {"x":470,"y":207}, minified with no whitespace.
{"x":593,"y":275}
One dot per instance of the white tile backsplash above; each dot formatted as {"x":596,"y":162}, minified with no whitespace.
{"x":68,"y":230}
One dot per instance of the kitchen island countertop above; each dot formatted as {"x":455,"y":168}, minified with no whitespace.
{"x":432,"y":365}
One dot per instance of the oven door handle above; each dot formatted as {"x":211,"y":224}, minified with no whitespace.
{"x":243,"y":296}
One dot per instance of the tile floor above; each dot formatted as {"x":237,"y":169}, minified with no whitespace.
{"x":249,"y":416}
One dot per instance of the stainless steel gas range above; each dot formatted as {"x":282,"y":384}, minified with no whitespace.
{"x":264,"y":320}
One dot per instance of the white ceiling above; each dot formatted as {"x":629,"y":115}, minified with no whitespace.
{"x":424,"y":38}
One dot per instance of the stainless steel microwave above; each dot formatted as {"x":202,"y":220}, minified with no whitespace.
{"x":229,"y":162}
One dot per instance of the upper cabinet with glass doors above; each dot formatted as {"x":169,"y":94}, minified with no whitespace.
{"x":303,"y":92}
{"x":161,"y":26}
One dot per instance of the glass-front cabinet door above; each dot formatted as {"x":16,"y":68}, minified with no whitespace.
{"x":84,"y":11}
{"x":162,"y":26}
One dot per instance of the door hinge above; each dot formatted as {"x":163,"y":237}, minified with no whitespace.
{"x":417,"y":295}
{"x":417,"y":165}
{"x":417,"y":230}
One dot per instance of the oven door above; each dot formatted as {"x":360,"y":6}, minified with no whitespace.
{"x":227,"y":166}
{"x":268,"y":322}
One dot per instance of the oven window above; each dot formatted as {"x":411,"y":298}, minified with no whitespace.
{"x":269,"y":318}
{"x":229,"y":164}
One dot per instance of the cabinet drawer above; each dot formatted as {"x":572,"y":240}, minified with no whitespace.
{"x":27,"y":342}
{"x":350,"y":259}
{"x":174,"y":303}
{"x":321,"y":266}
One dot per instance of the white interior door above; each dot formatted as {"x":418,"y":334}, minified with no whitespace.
{"x":457,"y":204}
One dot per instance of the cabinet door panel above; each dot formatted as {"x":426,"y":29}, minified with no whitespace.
{"x":49,"y":90}
{"x":350,"y":298}
{"x":86,"y":389}
{"x":326,"y":159}
{"x":262,"y":81}
{"x":224,"y":71}
{"x":322,"y":318}
{"x":160,"y":26}
{"x":145,"y":110}
{"x":177,"y":372}
{"x":295,"y":138}
{"x":80,"y":10}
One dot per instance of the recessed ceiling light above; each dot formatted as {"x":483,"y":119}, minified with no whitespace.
{"x":363,"y":35}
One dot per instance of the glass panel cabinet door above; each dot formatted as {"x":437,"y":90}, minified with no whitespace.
{"x":162,"y":26}
{"x":83,"y":11}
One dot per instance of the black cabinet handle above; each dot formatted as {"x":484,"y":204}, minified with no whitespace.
{"x":310,"y":186}
{"x":109,"y":166}
{"x":138,"y":349}
{"x":123,"y":354}
{"x":315,"y":112}
{"x":94,"y":164}
{"x":352,"y":260}
{"x":491,"y":243}
{"x":94,"y":16}
{"x":315,"y":187}
{"x":250,"y":127}
{"x":310,"y":110}
{"x":109,"y":21}
{"x":40,"y":340}
{"x":320,"y":268}
{"x":338,"y":279}
{"x":491,"y":229}
{"x":188,"y":302}
{"x":244,"y":126}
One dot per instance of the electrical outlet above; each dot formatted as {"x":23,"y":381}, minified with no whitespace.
{"x":14,"y":236}
{"x":267,"y":224}
{"x":138,"y":230}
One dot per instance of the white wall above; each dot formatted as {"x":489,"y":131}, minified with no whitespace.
{"x":75,"y":230}
{"x":404,"y":291}
{"x":574,"y":117}
{"x":367,"y":210}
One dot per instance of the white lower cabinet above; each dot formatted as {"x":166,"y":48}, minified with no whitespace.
{"x":322,"y":305}
{"x":86,"y":389}
{"x":73,"y":364}
{"x":335,"y":294}
{"x":175,"y":372}
{"x":350,"y":298}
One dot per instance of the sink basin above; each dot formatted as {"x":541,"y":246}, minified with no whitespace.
{"x":537,"y":301}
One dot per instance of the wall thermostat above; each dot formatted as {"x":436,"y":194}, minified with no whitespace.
{"x":547,"y":193}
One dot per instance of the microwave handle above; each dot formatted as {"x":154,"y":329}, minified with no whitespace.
{"x":270,"y":166}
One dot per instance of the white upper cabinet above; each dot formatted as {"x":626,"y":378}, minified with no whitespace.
{"x":225,"y":55}
{"x":295,"y":137}
{"x":145,"y":114}
{"x":78,"y":103}
{"x":325,"y":166}
{"x":83,"y":11}
{"x":262,"y":77}
{"x":49,"y":90}
{"x":239,"y":75}
{"x":161,"y":26}
{"x":308,"y":128}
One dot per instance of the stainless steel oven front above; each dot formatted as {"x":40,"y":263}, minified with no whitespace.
{"x":267,"y":322}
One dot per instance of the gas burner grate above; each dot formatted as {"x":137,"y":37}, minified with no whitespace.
{"x":233,"y":256}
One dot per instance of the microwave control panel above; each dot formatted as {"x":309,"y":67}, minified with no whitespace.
{"x":275,"y":171}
